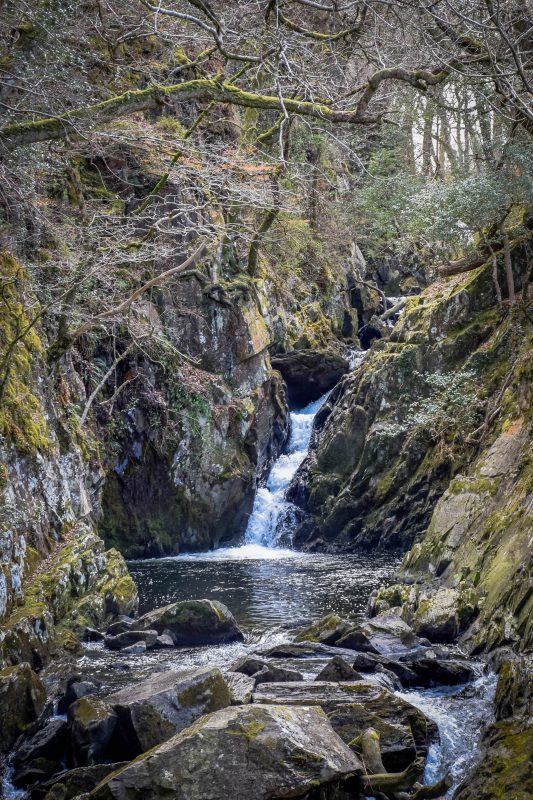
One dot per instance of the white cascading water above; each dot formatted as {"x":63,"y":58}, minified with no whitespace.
{"x":270,"y":500}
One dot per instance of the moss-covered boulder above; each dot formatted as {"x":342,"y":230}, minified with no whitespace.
{"x":193,"y":623}
{"x":92,"y":722}
{"x":154,"y":710}
{"x":22,"y":699}
{"x":240,"y":753}
{"x":325,"y":631}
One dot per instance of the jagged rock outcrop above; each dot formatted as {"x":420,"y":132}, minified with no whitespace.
{"x":260,"y":752}
{"x":397,"y":429}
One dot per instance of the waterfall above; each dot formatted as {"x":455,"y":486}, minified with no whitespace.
{"x":270,"y":506}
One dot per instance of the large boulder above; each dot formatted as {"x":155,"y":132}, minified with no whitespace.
{"x":386,"y":634}
{"x":240,"y":753}
{"x":442,"y":616}
{"x":151,"y":712}
{"x":193,"y":622}
{"x":352,"y":707}
{"x":309,"y":373}
{"x":92,"y":723}
{"x":22,"y":699}
{"x":39,"y":755}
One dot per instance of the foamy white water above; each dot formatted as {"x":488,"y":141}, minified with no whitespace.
{"x":270,"y":500}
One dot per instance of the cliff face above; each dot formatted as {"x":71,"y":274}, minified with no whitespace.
{"x":396,"y":430}
{"x":51,"y":561}
{"x":429,"y":444}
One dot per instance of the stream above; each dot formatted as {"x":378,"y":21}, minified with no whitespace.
{"x":271,"y":591}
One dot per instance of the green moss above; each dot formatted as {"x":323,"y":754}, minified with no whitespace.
{"x":460,"y":485}
{"x":21,"y":417}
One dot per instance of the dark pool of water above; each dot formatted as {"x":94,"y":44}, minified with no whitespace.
{"x":281,"y":590}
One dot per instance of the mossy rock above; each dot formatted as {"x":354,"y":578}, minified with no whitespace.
{"x":241,"y":753}
{"x":22,"y":699}
{"x":326,"y":631}
{"x":193,"y":622}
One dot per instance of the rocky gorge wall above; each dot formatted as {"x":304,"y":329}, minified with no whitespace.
{"x":428,"y":444}
{"x":52,"y":563}
{"x":395,"y":431}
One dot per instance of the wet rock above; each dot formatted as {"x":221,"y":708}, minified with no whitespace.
{"x":122,"y":624}
{"x":248,"y":665}
{"x":309,"y":373}
{"x":33,"y":773}
{"x":92,"y":635}
{"x":259,"y":752}
{"x":136,"y":649}
{"x":303,"y":650}
{"x":352,"y":707}
{"x":131,"y":637}
{"x":47,"y":744}
{"x":240,"y":687}
{"x":165,"y":640}
{"x":371,"y":662}
{"x":434,"y":672}
{"x":357,"y":639}
{"x":22,"y":699}
{"x":92,"y":722}
{"x":338,"y":670}
{"x":193,"y":622}
{"x":327,"y":630}
{"x":263,"y":672}
{"x":386,"y":634}
{"x":151,"y":712}
{"x":271,"y":673}
{"x":74,"y":782}
{"x":75,"y":689}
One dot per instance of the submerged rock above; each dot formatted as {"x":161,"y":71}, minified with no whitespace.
{"x":22,"y":699}
{"x":259,"y":752}
{"x":193,"y":622}
{"x":352,"y":707}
